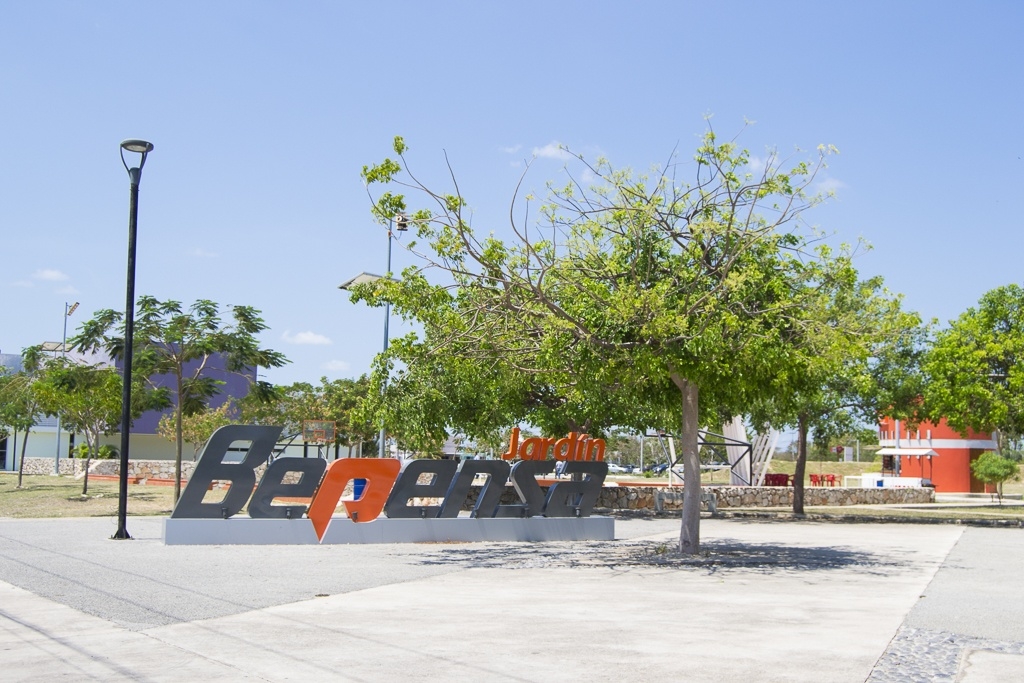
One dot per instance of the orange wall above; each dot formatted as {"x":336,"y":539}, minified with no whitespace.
{"x":950,"y":470}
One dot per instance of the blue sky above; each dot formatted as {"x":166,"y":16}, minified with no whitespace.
{"x":263,"y":114}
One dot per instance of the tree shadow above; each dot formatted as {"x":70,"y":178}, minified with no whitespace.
{"x":716,"y":556}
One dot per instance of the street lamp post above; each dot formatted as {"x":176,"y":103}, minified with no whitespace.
{"x":142,"y":148}
{"x":68,"y":310}
{"x":399,"y":223}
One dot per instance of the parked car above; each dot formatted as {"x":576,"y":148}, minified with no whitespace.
{"x":615,"y":468}
{"x":658,"y":468}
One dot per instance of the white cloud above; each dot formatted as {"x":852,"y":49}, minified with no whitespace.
{"x":50,"y":275}
{"x":66,"y":289}
{"x":755,"y":164}
{"x":305,"y":338}
{"x":588,"y":176}
{"x":552,"y":150}
{"x":828,"y":186}
{"x":22,"y":283}
{"x":337,"y":366}
{"x":511,"y":150}
{"x":202,"y":253}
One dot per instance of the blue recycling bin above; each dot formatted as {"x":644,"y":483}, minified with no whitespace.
{"x":358,"y":486}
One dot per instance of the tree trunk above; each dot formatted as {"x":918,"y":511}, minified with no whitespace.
{"x":801,"y":465}
{"x":21,"y":460}
{"x":85,"y":479}
{"x":177,"y":443}
{"x":689,"y":533}
{"x":92,"y":446}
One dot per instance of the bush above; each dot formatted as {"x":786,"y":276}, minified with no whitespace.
{"x":992,"y":468}
{"x":107,"y":452}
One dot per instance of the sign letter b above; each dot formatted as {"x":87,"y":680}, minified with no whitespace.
{"x":211,"y":467}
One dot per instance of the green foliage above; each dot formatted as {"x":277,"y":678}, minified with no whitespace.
{"x":19,"y":399}
{"x":338,"y":400}
{"x":627,"y":301}
{"x":992,"y":468}
{"x":196,"y":428}
{"x":975,"y":368}
{"x":179,"y":342}
{"x":88,"y":400}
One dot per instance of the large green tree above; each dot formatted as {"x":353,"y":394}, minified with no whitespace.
{"x":179,"y":342}
{"x":644,"y":294}
{"x":852,"y":358}
{"x":975,"y":367}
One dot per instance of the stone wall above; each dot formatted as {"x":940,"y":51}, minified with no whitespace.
{"x":662,"y":498}
{"x":138,"y":470}
{"x":654,"y":498}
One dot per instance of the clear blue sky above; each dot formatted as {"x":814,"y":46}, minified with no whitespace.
{"x":263,"y":114}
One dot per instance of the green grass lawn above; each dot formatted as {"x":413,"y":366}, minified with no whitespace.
{"x":49,"y":496}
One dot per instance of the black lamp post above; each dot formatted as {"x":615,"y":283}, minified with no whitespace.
{"x":134,"y":176}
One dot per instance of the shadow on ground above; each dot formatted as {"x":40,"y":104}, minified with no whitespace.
{"x":716,"y":556}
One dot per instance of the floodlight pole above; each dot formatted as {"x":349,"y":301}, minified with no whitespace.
{"x":68,"y":310}
{"x":134,"y":176}
{"x":401,"y":226}
{"x":387,"y":319}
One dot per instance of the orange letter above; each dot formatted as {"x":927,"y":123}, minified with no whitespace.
{"x":513,"y":446}
{"x":581,"y":447}
{"x":596,"y":449}
{"x":532,"y":449}
{"x":380,"y":475}
{"x":565,"y":449}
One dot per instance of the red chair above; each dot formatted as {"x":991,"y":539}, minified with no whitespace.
{"x":815,"y":480}
{"x":830,"y":479}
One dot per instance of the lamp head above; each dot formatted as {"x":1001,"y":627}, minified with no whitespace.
{"x":139,"y":147}
{"x":401,"y":222}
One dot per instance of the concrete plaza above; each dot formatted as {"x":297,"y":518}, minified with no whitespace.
{"x":770,"y":601}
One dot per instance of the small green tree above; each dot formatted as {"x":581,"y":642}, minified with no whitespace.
{"x":197,"y":428}
{"x":88,"y":400}
{"x":338,"y":400}
{"x":171,"y":340}
{"x":975,"y":368}
{"x":992,"y":468}
{"x":19,"y":400}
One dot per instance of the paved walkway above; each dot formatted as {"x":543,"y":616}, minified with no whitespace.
{"x":771,"y":601}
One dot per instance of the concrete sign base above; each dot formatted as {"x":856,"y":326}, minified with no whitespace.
{"x":248,"y":531}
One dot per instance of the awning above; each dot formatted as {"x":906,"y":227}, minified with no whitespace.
{"x":906,"y":451}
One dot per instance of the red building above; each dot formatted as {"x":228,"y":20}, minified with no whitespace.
{"x":936,"y":452}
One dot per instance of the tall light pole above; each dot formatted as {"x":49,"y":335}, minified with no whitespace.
{"x":142,"y":148}
{"x":399,"y":223}
{"x":68,"y":310}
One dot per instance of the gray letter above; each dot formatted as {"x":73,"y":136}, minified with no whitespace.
{"x":407,"y":487}
{"x":211,"y":467}
{"x":576,"y":498}
{"x":490,"y":495}
{"x":524,"y":479}
{"x":272,"y":486}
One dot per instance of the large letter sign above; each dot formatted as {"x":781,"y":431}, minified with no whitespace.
{"x":390,"y":488}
